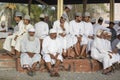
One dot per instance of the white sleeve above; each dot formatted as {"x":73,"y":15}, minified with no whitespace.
{"x":60,"y":47}
{"x":71,"y":30}
{"x":45,"y":46}
{"x":91,"y":31}
{"x":21,"y":28}
{"x":23,"y":47}
{"x":68,"y":28}
{"x":37,"y":48}
{"x":81,"y":29}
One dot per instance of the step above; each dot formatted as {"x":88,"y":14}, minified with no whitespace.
{"x":7,"y":62}
{"x":73,"y":65}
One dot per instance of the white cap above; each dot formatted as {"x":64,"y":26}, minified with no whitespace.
{"x":18,"y":14}
{"x":99,"y":32}
{"x":78,"y":14}
{"x":100,"y":18}
{"x":93,"y":20}
{"x":69,"y":6}
{"x":46,"y":14}
{"x":109,"y":33}
{"x":27,"y":17}
{"x":53,"y":31}
{"x":87,"y":14}
{"x":105,"y":32}
{"x":31,"y":30}
{"x":3,"y":23}
{"x":64,"y":16}
{"x":42,"y":16}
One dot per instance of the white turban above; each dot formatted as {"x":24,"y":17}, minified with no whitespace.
{"x":18,"y":14}
{"x":53,"y":31}
{"x":27,"y":17}
{"x":31,"y":30}
{"x":87,"y":14}
{"x":99,"y":32}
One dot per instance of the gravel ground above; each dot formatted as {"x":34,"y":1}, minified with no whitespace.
{"x":14,"y":75}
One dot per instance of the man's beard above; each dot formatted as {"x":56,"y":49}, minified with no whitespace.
{"x":31,"y":38}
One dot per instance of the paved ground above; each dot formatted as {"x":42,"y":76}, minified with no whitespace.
{"x":13,"y":75}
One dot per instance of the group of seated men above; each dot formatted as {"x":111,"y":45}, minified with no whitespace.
{"x":76,"y":39}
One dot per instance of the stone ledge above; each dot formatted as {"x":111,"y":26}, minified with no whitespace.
{"x":73,"y":65}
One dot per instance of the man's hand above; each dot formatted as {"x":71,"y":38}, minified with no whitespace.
{"x":16,"y":37}
{"x":30,"y":54}
{"x":62,"y":34}
{"x":56,"y":55}
{"x":91,"y":37}
{"x":110,"y":56}
{"x":111,"y":52}
{"x":79,"y":38}
{"x":52,"y":56}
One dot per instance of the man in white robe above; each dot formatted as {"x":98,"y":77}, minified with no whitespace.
{"x":107,"y":46}
{"x":30,"y":52}
{"x":77,"y":29}
{"x":66,"y":11}
{"x":52,"y":52}
{"x":99,"y":52}
{"x":41,"y":29}
{"x":88,"y":33}
{"x":63,"y":31}
{"x":10,"y":41}
{"x":3,"y":30}
{"x":27,"y":26}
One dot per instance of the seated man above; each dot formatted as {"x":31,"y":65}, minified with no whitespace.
{"x":103,"y":52}
{"x":67,"y":40}
{"x":77,"y":29}
{"x":30,"y":52}
{"x":3,"y":30}
{"x":10,"y":41}
{"x":52,"y":52}
{"x":88,"y":33}
{"x":27,"y":26}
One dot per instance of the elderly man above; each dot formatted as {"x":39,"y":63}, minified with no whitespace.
{"x":10,"y":41}
{"x":88,"y":33}
{"x":52,"y":52}
{"x":30,"y":52}
{"x":115,"y":56}
{"x":41,"y":29}
{"x":97,"y":52}
{"x":27,"y":26}
{"x":3,"y":30}
{"x":77,"y":29}
{"x":66,"y":11}
{"x":63,"y":31}
{"x":103,"y":52}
